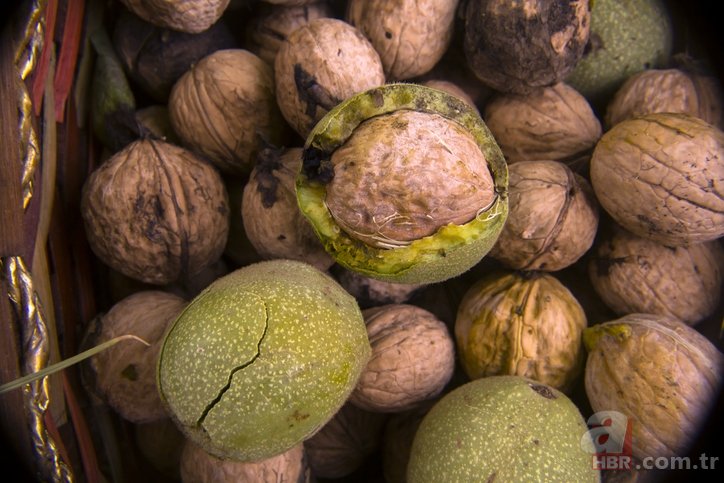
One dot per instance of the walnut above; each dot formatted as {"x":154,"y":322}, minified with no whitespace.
{"x":659,"y":372}
{"x":224,"y":108}
{"x":192,"y":16}
{"x":372,"y":292}
{"x":521,"y":46}
{"x":161,"y":443}
{"x":659,"y":176}
{"x":272,"y":221}
{"x":320,"y":65}
{"x":273,"y":24}
{"x":198,"y":466}
{"x":553,"y":123}
{"x":345,"y":442}
{"x":124,"y":375}
{"x":397,"y":439}
{"x":666,"y":90}
{"x":413,"y":358}
{"x":155,"y":212}
{"x":410,"y":36}
{"x":636,"y":275}
{"x":552,"y":220}
{"x":451,"y":88}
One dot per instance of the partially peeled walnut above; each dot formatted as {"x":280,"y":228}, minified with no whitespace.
{"x":430,"y":182}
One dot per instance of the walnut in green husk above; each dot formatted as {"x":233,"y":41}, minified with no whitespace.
{"x":198,"y":466}
{"x":430,"y":182}
{"x":552,"y":123}
{"x":272,"y":220}
{"x":225,"y":109}
{"x":521,"y":323}
{"x":659,"y":176}
{"x":410,"y":36}
{"x":155,"y":212}
{"x":636,"y":275}
{"x":552,"y":220}
{"x":124,"y":376}
{"x":657,"y":371}
{"x":521,"y":46}
{"x":450,"y":88}
{"x":413,"y":358}
{"x":320,"y":65}
{"x":345,"y":442}
{"x":191,"y":16}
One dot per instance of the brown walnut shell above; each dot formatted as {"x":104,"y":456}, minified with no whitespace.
{"x":552,"y":123}
{"x":661,"y":177}
{"x":192,"y":16}
{"x":657,"y":371}
{"x":636,"y":275}
{"x":411,"y":36}
{"x":156,"y":212}
{"x":553,"y":217}
{"x":371,"y":292}
{"x":413,"y":358}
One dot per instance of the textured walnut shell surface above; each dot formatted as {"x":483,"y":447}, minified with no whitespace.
{"x":525,"y":325}
{"x":553,"y":217}
{"x":661,"y":176}
{"x":272,"y":221}
{"x":345,"y":442}
{"x":320,"y":65}
{"x":659,"y":372}
{"x":410,"y":35}
{"x":192,"y":16}
{"x":198,"y":466}
{"x":155,"y":212}
{"x":552,"y":123}
{"x":224,"y":107}
{"x":421,"y":172}
{"x":413,"y":358}
{"x":273,"y":24}
{"x":521,"y":46}
{"x":124,"y":375}
{"x":636,"y":275}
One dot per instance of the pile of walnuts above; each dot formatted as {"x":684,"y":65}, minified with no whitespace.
{"x":614,"y":209}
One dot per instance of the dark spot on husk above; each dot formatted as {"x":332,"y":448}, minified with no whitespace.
{"x":544,"y":391}
{"x":317,"y":165}
{"x":311,"y":93}
{"x":298,"y":416}
{"x":267,"y":162}
{"x":492,"y":477}
{"x":536,"y":442}
{"x":130,"y":372}
{"x":377,"y":98}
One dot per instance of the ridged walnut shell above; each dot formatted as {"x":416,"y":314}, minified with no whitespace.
{"x":636,"y":275}
{"x":224,"y":108}
{"x":661,"y":177}
{"x":191,"y":16}
{"x":411,"y":36}
{"x":657,"y":371}
{"x":522,"y":324}
{"x":553,"y":217}
{"x":156,"y":212}
{"x":552,"y":123}
{"x":413,"y":358}
{"x":272,"y":220}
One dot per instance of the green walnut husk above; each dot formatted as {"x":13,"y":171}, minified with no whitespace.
{"x":450,"y":251}
{"x":262,"y":359}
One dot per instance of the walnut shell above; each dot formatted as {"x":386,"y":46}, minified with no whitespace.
{"x":372,"y":292}
{"x":320,"y":65}
{"x":552,"y":123}
{"x":413,"y":358}
{"x":522,"y":324}
{"x":657,"y":371}
{"x":124,"y":375}
{"x":345,"y":442}
{"x":524,"y":45}
{"x":198,"y":466}
{"x":397,"y":438}
{"x":155,"y":212}
{"x":273,"y":24}
{"x":666,"y":90}
{"x":272,"y":221}
{"x":225,"y":108}
{"x":660,"y":177}
{"x":192,"y":16}
{"x":552,"y":220}
{"x":636,"y":275}
{"x":410,"y":36}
